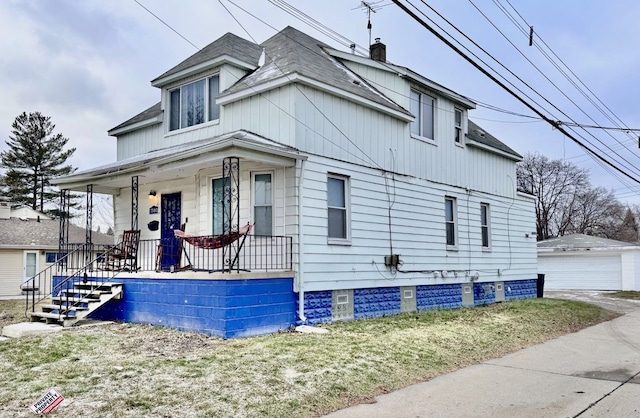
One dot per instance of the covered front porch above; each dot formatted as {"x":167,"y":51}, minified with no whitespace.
{"x":209,"y":190}
{"x":219,"y":280}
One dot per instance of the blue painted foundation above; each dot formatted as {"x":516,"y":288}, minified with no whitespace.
{"x":225,"y":308}
{"x":248,"y":307}
{"x":376,"y":302}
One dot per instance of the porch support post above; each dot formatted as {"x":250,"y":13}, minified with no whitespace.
{"x":231,"y":210}
{"x":63,"y":233}
{"x":134,"y":203}
{"x":89,"y":225}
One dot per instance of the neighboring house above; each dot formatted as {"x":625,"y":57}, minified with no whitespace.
{"x":29,"y":243}
{"x":371,"y":192}
{"x":585,"y":262}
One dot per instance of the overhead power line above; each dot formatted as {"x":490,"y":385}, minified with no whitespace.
{"x":509,"y":90}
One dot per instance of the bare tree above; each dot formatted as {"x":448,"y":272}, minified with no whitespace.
{"x":596,"y":211}
{"x":557,"y":185}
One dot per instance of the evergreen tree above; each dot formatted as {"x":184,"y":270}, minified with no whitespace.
{"x":34,"y":157}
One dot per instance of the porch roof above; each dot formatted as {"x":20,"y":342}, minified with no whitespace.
{"x":166,"y":163}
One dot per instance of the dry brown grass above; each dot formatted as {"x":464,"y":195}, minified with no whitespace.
{"x":125,"y":370}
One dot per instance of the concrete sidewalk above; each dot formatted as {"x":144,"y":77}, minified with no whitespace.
{"x":591,"y":373}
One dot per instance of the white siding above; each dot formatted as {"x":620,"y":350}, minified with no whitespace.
{"x":140,"y":141}
{"x":417,"y":219}
{"x":270,"y":114}
{"x":123,"y":205}
{"x":339,"y":129}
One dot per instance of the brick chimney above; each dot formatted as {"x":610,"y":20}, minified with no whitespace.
{"x":378,"y":51}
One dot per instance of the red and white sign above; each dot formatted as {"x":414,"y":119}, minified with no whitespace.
{"x":47,"y":402}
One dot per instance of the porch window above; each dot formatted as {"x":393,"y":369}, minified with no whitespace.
{"x":338,"y":209}
{"x":194,"y":103}
{"x":485,"y":226}
{"x":451,"y":220}
{"x":262,"y":204}
{"x":422,"y":107}
{"x":219,"y":207}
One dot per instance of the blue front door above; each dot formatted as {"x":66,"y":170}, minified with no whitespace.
{"x":171,"y":216}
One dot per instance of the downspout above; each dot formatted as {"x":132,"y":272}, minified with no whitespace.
{"x":303,"y":319}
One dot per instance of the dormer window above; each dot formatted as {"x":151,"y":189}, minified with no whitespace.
{"x":194,"y":103}
{"x":422,"y":107}
{"x":458,"y":126}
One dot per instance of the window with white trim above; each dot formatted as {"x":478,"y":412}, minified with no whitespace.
{"x":194,"y":103}
{"x":451,"y":221}
{"x":485,"y":226}
{"x":262,"y":204}
{"x":458,"y":126}
{"x":423,"y":108}
{"x":338,"y":209}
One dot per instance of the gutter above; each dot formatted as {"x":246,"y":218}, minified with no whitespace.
{"x":303,"y":318}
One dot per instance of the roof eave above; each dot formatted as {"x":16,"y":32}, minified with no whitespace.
{"x":215,"y":62}
{"x":297,"y":78}
{"x":138,"y":125}
{"x":488,"y":148}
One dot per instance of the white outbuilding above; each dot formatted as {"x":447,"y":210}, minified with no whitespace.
{"x":584,"y":262}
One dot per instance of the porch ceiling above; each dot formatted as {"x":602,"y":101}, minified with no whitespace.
{"x":181,"y":161}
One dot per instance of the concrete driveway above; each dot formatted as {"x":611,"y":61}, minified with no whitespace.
{"x":591,"y":373}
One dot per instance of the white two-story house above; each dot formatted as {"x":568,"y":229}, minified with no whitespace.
{"x":370,"y":191}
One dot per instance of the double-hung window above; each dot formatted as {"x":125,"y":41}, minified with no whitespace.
{"x":485,"y":226}
{"x":451,"y":220}
{"x":194,"y":103}
{"x":338,"y":209}
{"x":458,"y":126}
{"x":262,"y":204}
{"x":422,"y":107}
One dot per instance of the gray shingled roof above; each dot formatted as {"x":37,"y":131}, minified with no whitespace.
{"x":19,"y":233}
{"x":151,"y":112}
{"x":477,"y":134}
{"x":229,"y":44}
{"x":581,"y":241}
{"x":291,"y":51}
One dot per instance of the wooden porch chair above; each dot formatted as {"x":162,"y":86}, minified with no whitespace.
{"x":125,"y":256}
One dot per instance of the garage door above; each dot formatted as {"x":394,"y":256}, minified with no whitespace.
{"x":581,"y":272}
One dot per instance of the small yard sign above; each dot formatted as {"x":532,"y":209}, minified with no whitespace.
{"x":47,"y":402}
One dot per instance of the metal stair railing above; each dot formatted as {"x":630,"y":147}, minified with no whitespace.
{"x":42,"y":287}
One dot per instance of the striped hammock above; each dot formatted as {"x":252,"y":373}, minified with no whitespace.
{"x":212,"y":242}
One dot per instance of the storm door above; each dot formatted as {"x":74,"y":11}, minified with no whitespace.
{"x":171,"y":215}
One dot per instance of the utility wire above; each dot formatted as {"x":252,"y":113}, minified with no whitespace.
{"x":557,"y":88}
{"x":622,"y":124}
{"x":507,"y":89}
{"x":166,"y":24}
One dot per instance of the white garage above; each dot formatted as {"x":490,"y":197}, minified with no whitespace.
{"x":584,"y":262}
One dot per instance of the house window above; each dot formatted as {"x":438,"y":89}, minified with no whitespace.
{"x":485,"y":225}
{"x":220,"y":209}
{"x":50,"y":257}
{"x":458,"y":126}
{"x":262,"y":204}
{"x":338,"y":209}
{"x":451,"y":218}
{"x":422,"y":107}
{"x":194,"y":103}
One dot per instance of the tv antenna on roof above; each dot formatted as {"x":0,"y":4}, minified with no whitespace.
{"x":368,"y":7}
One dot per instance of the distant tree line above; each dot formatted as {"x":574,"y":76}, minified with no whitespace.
{"x":567,"y":203}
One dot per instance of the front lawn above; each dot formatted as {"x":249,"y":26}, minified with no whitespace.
{"x":127,"y":370}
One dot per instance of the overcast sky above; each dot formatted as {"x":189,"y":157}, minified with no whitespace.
{"x":88,"y":64}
